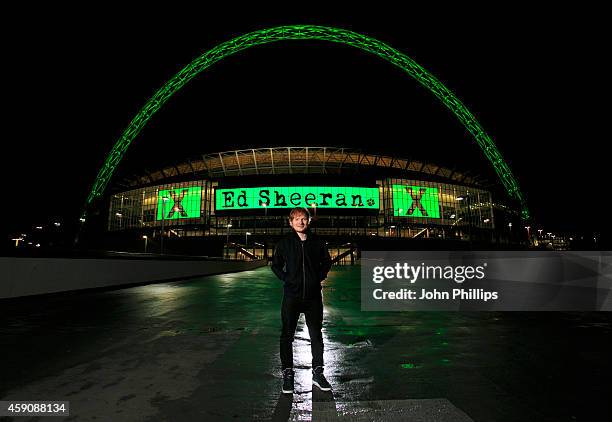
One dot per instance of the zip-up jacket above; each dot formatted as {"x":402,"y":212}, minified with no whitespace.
{"x":301,"y":265}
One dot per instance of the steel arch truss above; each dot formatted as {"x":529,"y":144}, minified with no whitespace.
{"x":309,"y":32}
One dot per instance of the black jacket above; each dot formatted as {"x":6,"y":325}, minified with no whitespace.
{"x":301,"y":265}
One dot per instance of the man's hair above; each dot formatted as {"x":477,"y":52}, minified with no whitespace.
{"x":299,"y":210}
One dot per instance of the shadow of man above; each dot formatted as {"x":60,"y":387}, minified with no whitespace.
{"x":282,"y":411}
{"x":323,"y":405}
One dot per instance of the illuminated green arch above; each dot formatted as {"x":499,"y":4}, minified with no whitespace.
{"x":308,"y":32}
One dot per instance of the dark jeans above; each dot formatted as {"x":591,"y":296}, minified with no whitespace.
{"x":290,"y":313}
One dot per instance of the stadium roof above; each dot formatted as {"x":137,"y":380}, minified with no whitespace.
{"x":296,"y":160}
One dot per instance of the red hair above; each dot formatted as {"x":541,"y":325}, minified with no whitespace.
{"x":299,"y":210}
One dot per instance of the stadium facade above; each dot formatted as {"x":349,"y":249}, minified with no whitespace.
{"x":243,"y":197}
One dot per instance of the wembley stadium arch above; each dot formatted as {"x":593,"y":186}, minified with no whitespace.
{"x":309,"y":32}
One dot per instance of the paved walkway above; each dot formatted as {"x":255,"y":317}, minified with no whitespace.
{"x":207,"y":349}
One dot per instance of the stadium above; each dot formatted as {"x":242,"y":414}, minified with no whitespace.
{"x":236,"y":202}
{"x":240,"y":200}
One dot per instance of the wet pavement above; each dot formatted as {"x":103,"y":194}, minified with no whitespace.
{"x":207,"y":349}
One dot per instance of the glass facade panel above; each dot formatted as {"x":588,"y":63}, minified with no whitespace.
{"x":406,"y":208}
{"x":432,"y":203}
{"x":185,"y":203}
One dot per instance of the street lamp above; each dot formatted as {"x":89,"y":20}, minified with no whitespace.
{"x":164,"y":199}
{"x":466,"y":198}
{"x":246,"y":238}
{"x":227,"y":241}
{"x":399,"y":231}
{"x":314,"y":207}
{"x":228,"y":231}
{"x":145,"y":239}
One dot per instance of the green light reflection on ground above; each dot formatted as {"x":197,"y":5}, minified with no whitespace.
{"x":410,"y":366}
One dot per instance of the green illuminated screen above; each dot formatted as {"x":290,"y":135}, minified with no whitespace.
{"x":415,"y":201}
{"x":297,"y":196}
{"x":180,"y":203}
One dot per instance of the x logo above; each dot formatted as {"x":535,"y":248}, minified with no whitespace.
{"x":416,"y":201}
{"x":177,"y":203}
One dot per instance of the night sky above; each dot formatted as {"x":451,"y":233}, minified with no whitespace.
{"x":533,"y":80}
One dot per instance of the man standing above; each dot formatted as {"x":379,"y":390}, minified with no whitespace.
{"x":301,"y":261}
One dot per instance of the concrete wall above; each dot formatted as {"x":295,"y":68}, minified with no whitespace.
{"x":32,"y":276}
